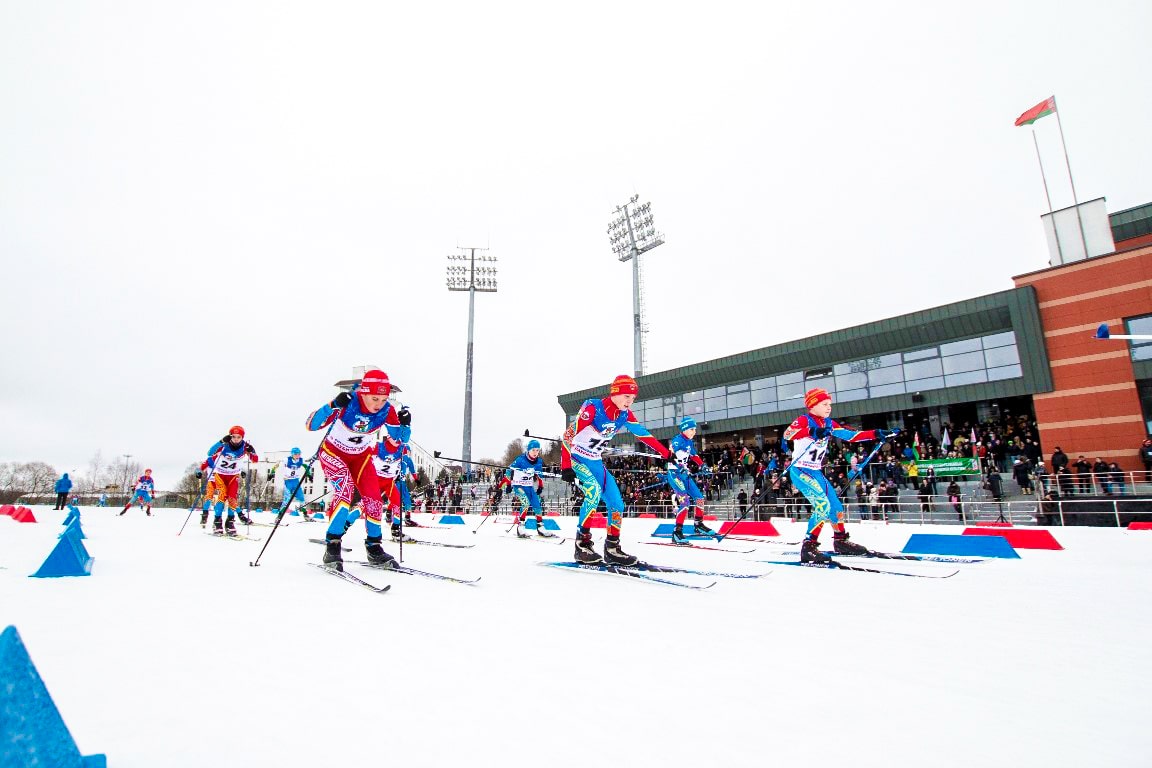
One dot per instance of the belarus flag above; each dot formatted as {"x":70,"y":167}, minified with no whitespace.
{"x":1046,"y":107}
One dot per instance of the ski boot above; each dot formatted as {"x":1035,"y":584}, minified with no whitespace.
{"x":244,"y":518}
{"x":332,"y":557}
{"x":230,"y":526}
{"x":408,"y":521}
{"x":376,"y":554}
{"x":520,"y":532}
{"x":148,"y":510}
{"x":810,"y":552}
{"x":585,"y":549}
{"x":842,"y":546}
{"x":540,"y":530}
{"x":122,"y":512}
{"x":613,"y":555}
{"x":399,"y":535}
{"x":217,"y":526}
{"x":678,"y":537}
{"x":204,"y":519}
{"x":699,"y":529}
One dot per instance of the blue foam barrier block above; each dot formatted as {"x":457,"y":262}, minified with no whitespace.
{"x":73,"y":529}
{"x":73,"y":514}
{"x":295,"y":512}
{"x":664,"y":530}
{"x":549,"y":524}
{"x":948,"y":544}
{"x":451,"y":520}
{"x":32,"y":733}
{"x":70,"y":558}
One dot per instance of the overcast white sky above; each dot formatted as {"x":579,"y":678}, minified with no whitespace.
{"x":211,"y":211}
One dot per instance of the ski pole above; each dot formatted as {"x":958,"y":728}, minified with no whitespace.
{"x":284,"y":507}
{"x":203,"y":493}
{"x":538,"y":437}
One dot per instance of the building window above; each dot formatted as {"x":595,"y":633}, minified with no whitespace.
{"x":1141,"y":349}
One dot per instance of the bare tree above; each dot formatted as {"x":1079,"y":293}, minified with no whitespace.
{"x":91,"y":479}
{"x":514,"y":449}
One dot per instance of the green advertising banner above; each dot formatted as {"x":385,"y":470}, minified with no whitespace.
{"x":946,"y":467}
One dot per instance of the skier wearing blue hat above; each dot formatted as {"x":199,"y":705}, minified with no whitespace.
{"x":684,"y":488}
{"x":291,"y":472}
{"x":526,"y":486}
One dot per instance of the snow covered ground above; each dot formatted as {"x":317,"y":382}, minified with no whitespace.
{"x":176,"y":653}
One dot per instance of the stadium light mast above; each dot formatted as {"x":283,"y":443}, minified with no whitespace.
{"x":465,"y":275}
{"x":632,"y":233}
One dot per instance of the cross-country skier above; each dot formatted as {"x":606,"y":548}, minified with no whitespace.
{"x":525,"y":485}
{"x":388,"y":460}
{"x":143,"y":492}
{"x":227,"y":458}
{"x":346,"y":455}
{"x":684,"y":488}
{"x":596,"y":423}
{"x":291,"y":473}
{"x":810,"y":433}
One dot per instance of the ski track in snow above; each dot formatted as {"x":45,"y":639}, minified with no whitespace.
{"x":175,"y":652}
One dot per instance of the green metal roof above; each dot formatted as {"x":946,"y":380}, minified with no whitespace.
{"x":1014,"y":309}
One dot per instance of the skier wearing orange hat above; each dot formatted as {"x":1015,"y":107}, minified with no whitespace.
{"x":225,"y":457}
{"x":596,"y":423}
{"x":810,"y":433}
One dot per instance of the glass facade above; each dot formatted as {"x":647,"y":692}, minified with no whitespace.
{"x":970,"y":361}
{"x":1141,"y":349}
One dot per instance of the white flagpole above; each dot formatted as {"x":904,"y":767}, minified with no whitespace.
{"x":1068,"y":165}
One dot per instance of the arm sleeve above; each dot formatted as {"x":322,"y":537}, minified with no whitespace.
{"x":583,"y":419}
{"x":797,"y":429}
{"x":850,"y":435}
{"x":644,"y":436}
{"x":321,"y":417}
{"x":214,"y":451}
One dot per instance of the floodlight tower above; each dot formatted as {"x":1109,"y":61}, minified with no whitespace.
{"x":465,"y":275}
{"x":632,"y":233}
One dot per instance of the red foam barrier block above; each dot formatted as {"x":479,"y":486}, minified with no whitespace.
{"x":551,"y":514}
{"x":646,"y":514}
{"x":1019,"y":538}
{"x":23,"y":515}
{"x":994,"y":525}
{"x":597,"y":522}
{"x":7,"y":509}
{"x":750,"y":528}
{"x":1132,"y":526}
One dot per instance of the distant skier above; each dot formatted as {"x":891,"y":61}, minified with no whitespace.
{"x":389,"y":463}
{"x":596,"y":423}
{"x":143,"y":491}
{"x":810,"y":433}
{"x":526,"y":485}
{"x":228,"y":457}
{"x":291,"y":473}
{"x":684,"y":488}
{"x":346,"y":454}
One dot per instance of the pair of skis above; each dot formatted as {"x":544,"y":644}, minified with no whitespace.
{"x":409,"y":541}
{"x":391,"y":568}
{"x":644,"y":571}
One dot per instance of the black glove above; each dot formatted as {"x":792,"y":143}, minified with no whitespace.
{"x":341,"y":400}
{"x":568,"y":475}
{"x":199,"y":474}
{"x":405,"y":417}
{"x":249,"y":448}
{"x":308,"y":473}
{"x":819,"y":433}
{"x":884,"y":434}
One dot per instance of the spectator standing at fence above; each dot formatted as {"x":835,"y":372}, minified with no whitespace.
{"x":953,"y":491}
{"x":1059,"y":461}
{"x":1065,"y":482}
{"x":1083,"y":474}
{"x":63,"y":485}
{"x":925,"y":495}
{"x":742,"y":500}
{"x":1102,"y":475}
{"x":1116,"y":475}
{"x":1050,"y":509}
{"x":1146,"y":457}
